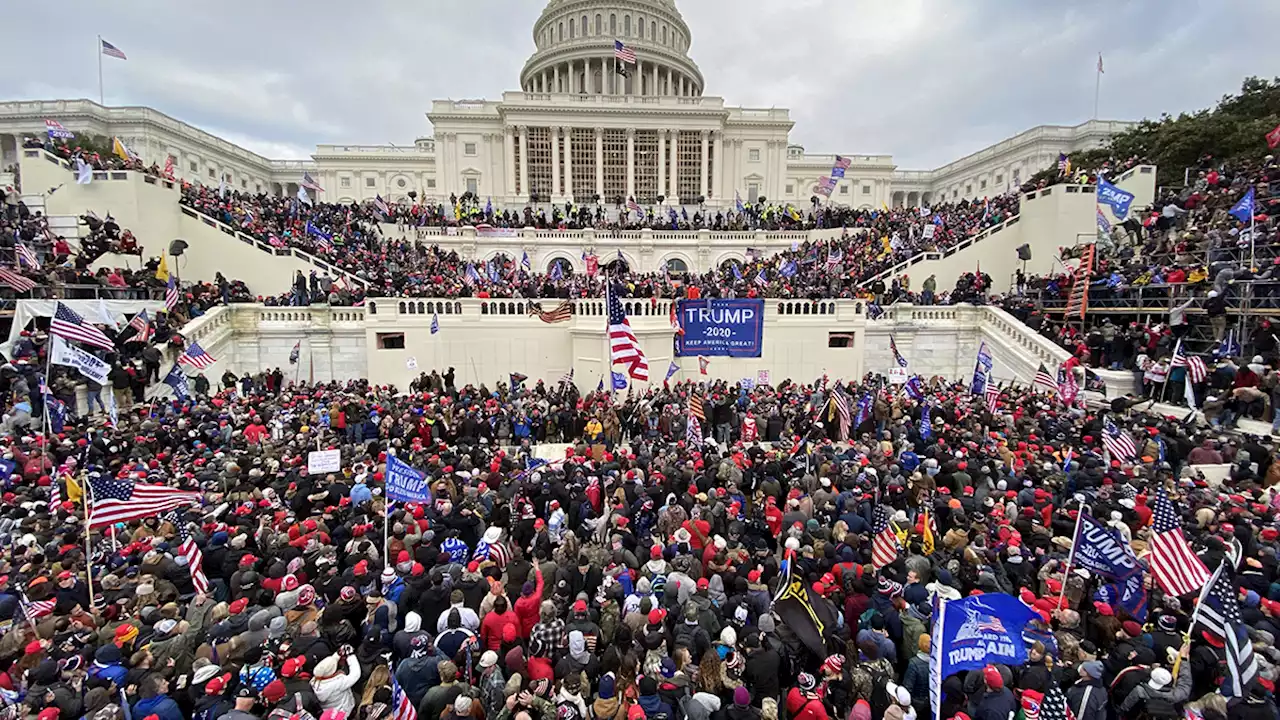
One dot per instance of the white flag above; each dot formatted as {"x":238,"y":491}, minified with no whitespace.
{"x":303,"y":196}
{"x":84,"y":172}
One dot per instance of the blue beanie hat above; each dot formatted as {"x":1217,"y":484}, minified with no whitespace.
{"x":606,"y":687}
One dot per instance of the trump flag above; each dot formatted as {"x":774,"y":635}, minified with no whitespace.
{"x":974,"y":632}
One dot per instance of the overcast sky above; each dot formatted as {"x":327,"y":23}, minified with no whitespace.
{"x":925,"y":80}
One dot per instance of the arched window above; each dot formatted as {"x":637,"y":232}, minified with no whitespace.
{"x":566,"y":267}
{"x":653,"y":30}
{"x":571,"y":28}
{"x":586,"y":29}
{"x":613,"y":24}
{"x":626,"y":24}
{"x":640,"y":26}
{"x":561,"y":30}
{"x":664,"y":34}
{"x":676,"y":265}
{"x":372,"y":307}
{"x":599,"y":24}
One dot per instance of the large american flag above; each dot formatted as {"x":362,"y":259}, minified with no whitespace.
{"x":141,"y":323}
{"x":401,"y":706}
{"x":1118,"y":442}
{"x":1220,"y":612}
{"x":992,"y":394}
{"x":70,"y":326}
{"x":26,"y":256}
{"x":559,"y":313}
{"x":34,"y":610}
{"x":624,"y":349}
{"x":1054,"y":706}
{"x":112,"y":50}
{"x":196,"y":357}
{"x":1175,"y":566}
{"x":1195,"y":366}
{"x":884,"y":543}
{"x":1045,"y":379}
{"x":113,"y":500}
{"x":496,"y":553}
{"x":624,"y":53}
{"x":693,"y":431}
{"x":171,"y":294}
{"x":17,"y":281}
{"x":842,"y":412}
{"x":195,"y":558}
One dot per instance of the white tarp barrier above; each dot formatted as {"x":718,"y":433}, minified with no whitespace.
{"x":104,"y":312}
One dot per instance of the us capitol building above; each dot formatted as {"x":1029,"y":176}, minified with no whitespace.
{"x":577,"y":129}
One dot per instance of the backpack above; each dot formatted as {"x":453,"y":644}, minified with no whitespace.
{"x":879,"y":699}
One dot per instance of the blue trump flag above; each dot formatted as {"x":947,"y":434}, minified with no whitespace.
{"x":1243,"y":210}
{"x":974,"y":632}
{"x":619,"y":381}
{"x":178,"y":381}
{"x":405,"y":484}
{"x":1115,"y":198}
{"x":1100,"y":549}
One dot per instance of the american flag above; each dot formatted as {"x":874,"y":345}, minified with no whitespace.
{"x":559,"y":313}
{"x":142,"y":324}
{"x":884,"y":543}
{"x":624,"y":53}
{"x":381,"y":206}
{"x":1220,"y":612}
{"x":55,"y":130}
{"x":567,"y":378}
{"x":196,"y":357}
{"x":841,"y":402}
{"x":13,"y":279}
{"x":309,"y":182}
{"x":111,"y":50}
{"x":634,"y":207}
{"x":55,"y":495}
{"x":696,"y":408}
{"x":1175,"y":566}
{"x":843,"y":162}
{"x":70,"y":326}
{"x":34,"y":610}
{"x":195,"y":560}
{"x":496,"y":553}
{"x":624,"y":349}
{"x":1045,"y":379}
{"x":26,"y":256}
{"x":897,"y":356}
{"x":113,"y":500}
{"x":401,"y":706}
{"x":1195,"y":366}
{"x":761,"y":280}
{"x":171,"y":294}
{"x":992,"y":395}
{"x":1118,"y":442}
{"x":834,"y":256}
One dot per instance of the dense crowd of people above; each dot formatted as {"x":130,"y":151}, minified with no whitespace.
{"x":631,"y":577}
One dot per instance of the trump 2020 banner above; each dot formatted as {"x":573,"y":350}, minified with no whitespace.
{"x":1100,"y":549}
{"x":726,"y":328}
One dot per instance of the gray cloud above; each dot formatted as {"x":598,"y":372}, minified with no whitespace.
{"x":925,"y":80}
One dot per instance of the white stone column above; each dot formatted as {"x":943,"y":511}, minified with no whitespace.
{"x":568,"y":162}
{"x":555,"y":79}
{"x":717,"y":170}
{"x":636,"y":85}
{"x":673,"y":190}
{"x":555,"y":163}
{"x":508,"y":143}
{"x":600,"y":162}
{"x":524,"y":161}
{"x":656,"y":89}
{"x":703,"y":185}
{"x":662,"y":159}
{"x":631,"y":162}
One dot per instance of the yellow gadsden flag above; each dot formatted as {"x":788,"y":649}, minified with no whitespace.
{"x":119,"y":148}
{"x":74,"y":493}
{"x":162,"y":271}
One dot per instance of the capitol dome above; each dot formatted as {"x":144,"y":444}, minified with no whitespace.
{"x":575,"y":50}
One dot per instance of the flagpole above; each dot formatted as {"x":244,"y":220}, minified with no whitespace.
{"x":85,"y":491}
{"x":100,"y":96}
{"x":1071,"y":556}
{"x":1097,"y":86}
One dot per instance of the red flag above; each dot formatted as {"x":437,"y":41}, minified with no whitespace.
{"x":675,"y":321}
{"x":1273,"y":138}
